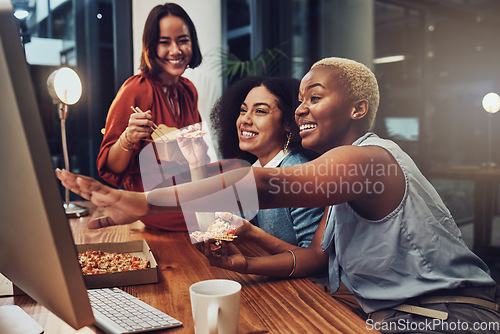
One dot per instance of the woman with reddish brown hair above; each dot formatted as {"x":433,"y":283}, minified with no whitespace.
{"x":169,"y":46}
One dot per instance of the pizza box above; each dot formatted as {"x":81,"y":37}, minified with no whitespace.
{"x":137,"y":248}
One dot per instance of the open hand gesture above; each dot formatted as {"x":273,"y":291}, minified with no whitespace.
{"x":124,"y":207}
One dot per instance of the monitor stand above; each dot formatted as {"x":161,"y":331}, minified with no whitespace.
{"x":75,"y":211}
{"x":6,"y":286}
{"x":13,"y":320}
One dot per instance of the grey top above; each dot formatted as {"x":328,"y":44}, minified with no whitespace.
{"x":415,"y":249}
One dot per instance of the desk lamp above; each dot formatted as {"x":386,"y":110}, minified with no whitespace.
{"x":491,"y":103}
{"x":65,"y":88}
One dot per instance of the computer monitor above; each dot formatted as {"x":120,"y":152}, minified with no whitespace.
{"x":37,"y":250}
{"x":402,"y":128}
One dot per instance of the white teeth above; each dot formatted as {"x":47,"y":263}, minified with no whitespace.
{"x":308,"y":126}
{"x":248,"y":134}
{"x":175,"y":61}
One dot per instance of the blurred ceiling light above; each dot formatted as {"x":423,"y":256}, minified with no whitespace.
{"x":389,"y":59}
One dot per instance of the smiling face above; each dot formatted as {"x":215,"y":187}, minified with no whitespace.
{"x":174,"y":48}
{"x":324,"y":113}
{"x":260,"y":127}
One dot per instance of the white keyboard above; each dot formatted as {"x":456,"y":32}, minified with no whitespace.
{"x":117,"y":312}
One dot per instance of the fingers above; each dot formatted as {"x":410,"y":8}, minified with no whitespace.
{"x":100,"y":222}
{"x":65,"y":176}
{"x":215,"y":249}
{"x":236,"y":221}
{"x":223,"y":252}
{"x":231,"y":249}
{"x":139,"y":126}
{"x":140,"y":118}
{"x":88,"y":186}
{"x":69,"y":181}
{"x":200,"y":246}
{"x":208,"y":247}
{"x":81,"y":185}
{"x":103,"y":197}
{"x":136,"y":133}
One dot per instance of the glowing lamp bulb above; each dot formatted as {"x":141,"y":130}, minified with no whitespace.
{"x":491,"y":103}
{"x":65,"y":85}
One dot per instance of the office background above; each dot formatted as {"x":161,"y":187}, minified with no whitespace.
{"x":435,"y":60}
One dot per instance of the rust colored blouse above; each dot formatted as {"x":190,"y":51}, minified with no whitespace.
{"x":179,"y":111}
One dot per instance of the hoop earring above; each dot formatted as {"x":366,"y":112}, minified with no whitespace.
{"x":288,"y":137}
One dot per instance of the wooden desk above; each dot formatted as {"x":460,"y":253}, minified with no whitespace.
{"x":486,"y":181}
{"x":267,"y":305}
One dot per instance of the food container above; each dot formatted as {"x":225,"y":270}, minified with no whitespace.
{"x":137,"y":248}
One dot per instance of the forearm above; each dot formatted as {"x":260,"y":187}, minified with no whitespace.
{"x":307,"y":263}
{"x":268,"y":242}
{"x":119,"y":155}
{"x":209,"y":190}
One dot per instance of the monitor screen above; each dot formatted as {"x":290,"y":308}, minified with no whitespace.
{"x":37,"y":251}
{"x":402,"y":128}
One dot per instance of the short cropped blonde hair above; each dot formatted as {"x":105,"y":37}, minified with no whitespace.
{"x":358,"y":81}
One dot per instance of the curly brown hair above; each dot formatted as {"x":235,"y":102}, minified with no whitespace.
{"x":226,"y":111}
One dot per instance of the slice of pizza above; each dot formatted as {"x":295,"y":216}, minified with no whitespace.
{"x":223,"y":228}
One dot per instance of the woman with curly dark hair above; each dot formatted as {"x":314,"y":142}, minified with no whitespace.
{"x":254,"y":121}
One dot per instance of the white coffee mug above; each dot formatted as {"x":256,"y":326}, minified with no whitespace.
{"x":216,"y":306}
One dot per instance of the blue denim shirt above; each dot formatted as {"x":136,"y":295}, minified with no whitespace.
{"x":293,"y":225}
{"x":414,"y":250}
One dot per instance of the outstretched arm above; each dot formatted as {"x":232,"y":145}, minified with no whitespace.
{"x":343,"y":174}
{"x":123,"y":206}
